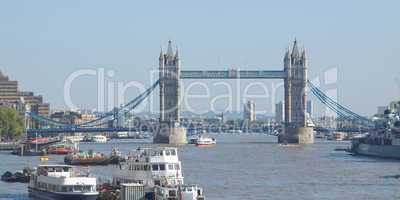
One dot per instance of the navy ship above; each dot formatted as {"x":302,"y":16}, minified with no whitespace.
{"x":381,"y":141}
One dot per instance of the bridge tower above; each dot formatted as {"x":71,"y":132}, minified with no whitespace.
{"x":295,"y":84}
{"x":170,"y":131}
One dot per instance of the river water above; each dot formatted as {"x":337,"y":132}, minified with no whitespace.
{"x":255,"y":167}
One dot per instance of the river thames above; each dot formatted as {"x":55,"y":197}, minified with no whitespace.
{"x":255,"y":167}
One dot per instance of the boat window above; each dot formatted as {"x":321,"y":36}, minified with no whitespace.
{"x":77,"y":188}
{"x":86,"y":188}
{"x":161,"y":153}
{"x":64,"y":188}
{"x":162,"y":167}
{"x":155,"y":167}
{"x":58,"y":170}
{"x":173,"y":152}
{"x":157,"y":182}
{"x":167,"y":152}
{"x":177,"y":167}
{"x":170,"y":167}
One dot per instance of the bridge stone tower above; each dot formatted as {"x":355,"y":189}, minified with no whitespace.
{"x":295,"y":84}
{"x":170,"y":131}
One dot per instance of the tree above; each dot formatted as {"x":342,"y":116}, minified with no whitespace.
{"x":11,"y":123}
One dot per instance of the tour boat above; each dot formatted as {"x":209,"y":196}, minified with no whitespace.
{"x":159,"y":171}
{"x":61,"y":182}
{"x":203,"y":141}
{"x":150,"y":167}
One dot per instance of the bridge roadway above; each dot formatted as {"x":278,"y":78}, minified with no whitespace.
{"x":233,"y":74}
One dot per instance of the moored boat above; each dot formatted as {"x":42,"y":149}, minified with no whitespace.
{"x":99,"y":139}
{"x":337,"y":136}
{"x":61,"y":182}
{"x":381,"y":141}
{"x":116,"y":157}
{"x":86,"y":158}
{"x":181,"y":192}
{"x":63,"y":148}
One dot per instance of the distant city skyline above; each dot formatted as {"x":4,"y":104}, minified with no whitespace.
{"x":43,"y":42}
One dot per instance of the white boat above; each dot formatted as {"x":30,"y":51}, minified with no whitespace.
{"x":337,"y":136}
{"x":181,"y":192}
{"x":203,"y":141}
{"x":150,"y":167}
{"x":159,"y":171}
{"x":99,"y":138}
{"x":61,"y":182}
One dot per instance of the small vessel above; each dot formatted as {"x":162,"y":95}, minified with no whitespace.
{"x":181,"y":192}
{"x":337,"y":136}
{"x":19,"y":176}
{"x":204,"y":141}
{"x":116,"y":157}
{"x":61,"y":182}
{"x":86,"y":158}
{"x":25,"y":150}
{"x":44,"y":158}
{"x":99,"y":139}
{"x":63,"y":148}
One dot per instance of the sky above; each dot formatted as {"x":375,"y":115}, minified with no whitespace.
{"x":43,"y":42}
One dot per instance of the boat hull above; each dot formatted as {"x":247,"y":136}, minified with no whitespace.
{"x":45,"y":195}
{"x":383,"y":151}
{"x":205,"y":145}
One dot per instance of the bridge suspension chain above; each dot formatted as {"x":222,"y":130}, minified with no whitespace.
{"x":342,"y":111}
{"x":124,"y":109}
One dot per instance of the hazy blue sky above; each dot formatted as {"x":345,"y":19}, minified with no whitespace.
{"x":42,"y":42}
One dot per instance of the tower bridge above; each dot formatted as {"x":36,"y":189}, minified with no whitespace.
{"x":294,"y":74}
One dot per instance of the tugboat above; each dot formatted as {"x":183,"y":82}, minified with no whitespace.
{"x":203,"y":141}
{"x":61,"y":182}
{"x":63,"y":148}
{"x":86,"y":158}
{"x":382,"y":141}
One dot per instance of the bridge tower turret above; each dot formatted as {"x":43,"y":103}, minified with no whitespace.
{"x":170,"y":130}
{"x":296,"y":66}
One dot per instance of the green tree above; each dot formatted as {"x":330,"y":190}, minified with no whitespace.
{"x":11,"y":123}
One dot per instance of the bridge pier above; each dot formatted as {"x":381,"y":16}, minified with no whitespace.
{"x":300,"y":135}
